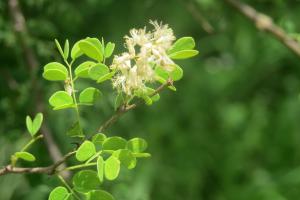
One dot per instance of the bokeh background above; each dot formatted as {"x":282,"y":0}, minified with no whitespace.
{"x":230,"y":132}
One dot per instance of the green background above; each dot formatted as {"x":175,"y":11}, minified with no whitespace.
{"x":230,"y":132}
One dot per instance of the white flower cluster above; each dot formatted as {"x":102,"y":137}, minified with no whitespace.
{"x":146,"y":49}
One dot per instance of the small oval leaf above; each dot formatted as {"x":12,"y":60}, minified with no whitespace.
{"x":82,"y":70}
{"x":126,"y":158}
{"x":61,"y":99}
{"x":111,"y":168}
{"x":114,"y":143}
{"x":98,"y":140}
{"x":137,"y":145}
{"x":59,"y":193}
{"x":184,"y":43}
{"x":89,"y":95}
{"x":75,"y":51}
{"x":99,"y":195}
{"x":85,"y":151}
{"x":109,"y":49}
{"x":55,"y":71}
{"x":98,"y":70}
{"x":37,"y":122}
{"x":90,"y":50}
{"x":86,"y":180}
{"x":184,"y":54}
{"x":100,"y":168}
{"x":25,"y":156}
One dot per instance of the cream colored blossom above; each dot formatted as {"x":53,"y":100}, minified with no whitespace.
{"x":146,"y":50}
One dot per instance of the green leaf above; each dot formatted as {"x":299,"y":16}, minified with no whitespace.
{"x":141,"y":155}
{"x":29,"y":125}
{"x":59,"y":48}
{"x":36,"y":125}
{"x":97,"y":71}
{"x":184,"y":43}
{"x":137,"y":145}
{"x":96,"y":42}
{"x":90,"y":50}
{"x":161,"y":75}
{"x":25,"y":156}
{"x":89,"y":95}
{"x":114,"y":143}
{"x":184,"y":54}
{"x":55,"y":71}
{"x":54,"y":75}
{"x":60,"y":100}
{"x":76,"y":52}
{"x":98,"y":140}
{"x":75,"y":130}
{"x":85,"y":151}
{"x":111,"y":168}
{"x":82,"y":70}
{"x":126,"y":158}
{"x":105,"y":77}
{"x":86,"y":180}
{"x":66,"y":50}
{"x":150,"y":92}
{"x":100,"y":168}
{"x":99,"y":195}
{"x":59,"y":193}
{"x":177,"y":73}
{"x":109,"y":49}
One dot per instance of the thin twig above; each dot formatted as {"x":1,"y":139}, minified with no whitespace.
{"x":125,"y":108}
{"x":265,"y":23}
{"x":198,"y":17}
{"x":30,"y":170}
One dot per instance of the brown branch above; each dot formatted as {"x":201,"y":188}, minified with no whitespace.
{"x":19,"y":24}
{"x":265,"y":23}
{"x":50,"y":170}
{"x":125,"y":108}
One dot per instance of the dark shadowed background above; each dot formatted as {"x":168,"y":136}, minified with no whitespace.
{"x":230,"y":132}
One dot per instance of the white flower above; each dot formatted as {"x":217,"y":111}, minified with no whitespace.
{"x":146,"y":50}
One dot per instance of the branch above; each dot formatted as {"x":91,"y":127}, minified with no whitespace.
{"x":125,"y":108}
{"x":50,"y":170}
{"x":265,"y":23}
{"x":198,"y":17}
{"x":19,"y":24}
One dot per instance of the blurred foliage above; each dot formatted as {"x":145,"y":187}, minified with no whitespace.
{"x":230,"y":132}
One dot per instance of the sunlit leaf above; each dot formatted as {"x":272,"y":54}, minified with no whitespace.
{"x":109,"y":49}
{"x":60,"y":99}
{"x":25,"y":156}
{"x":97,"y":71}
{"x":90,"y":50}
{"x":100,"y":168}
{"x":66,"y":49}
{"x":85,"y":151}
{"x":75,"y":51}
{"x":59,"y":193}
{"x":82,"y":70}
{"x":184,"y":43}
{"x":184,"y":54}
{"x":137,"y":145}
{"x":111,"y":168}
{"x":114,"y":143}
{"x":126,"y":158}
{"x":89,"y":95}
